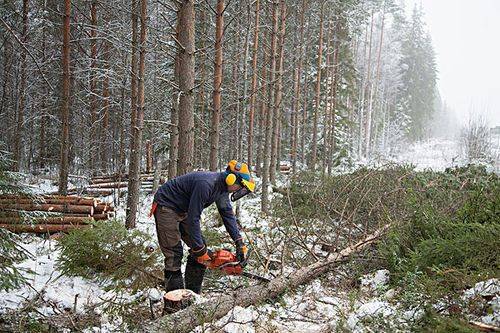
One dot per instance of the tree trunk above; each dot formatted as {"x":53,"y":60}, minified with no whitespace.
{"x":135,"y":152}
{"x":104,"y":142}
{"x":297,"y":91}
{"x":93,"y":84}
{"x":19,"y":135}
{"x":216,"y":97}
{"x":186,"y":17}
{"x":64,"y":162}
{"x":275,"y":156}
{"x":174,"y":116}
{"x":254,"y":85}
{"x":188,"y":319}
{"x":202,"y":133}
{"x":314,"y":153}
{"x":270,"y":111}
{"x":262,"y":116}
{"x":333,"y":101}
{"x":368,"y":93}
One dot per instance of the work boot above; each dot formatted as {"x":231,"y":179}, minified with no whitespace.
{"x":173,"y":280}
{"x":193,"y":276}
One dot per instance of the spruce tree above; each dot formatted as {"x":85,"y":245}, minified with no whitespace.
{"x":416,"y":94}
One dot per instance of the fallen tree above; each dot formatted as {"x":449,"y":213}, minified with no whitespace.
{"x":214,"y":309}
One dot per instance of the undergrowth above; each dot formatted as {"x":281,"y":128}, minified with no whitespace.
{"x":110,"y":253}
{"x":445,"y":226}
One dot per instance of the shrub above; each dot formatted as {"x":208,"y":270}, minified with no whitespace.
{"x":10,"y":251}
{"x":109,"y":252}
{"x":445,"y":230}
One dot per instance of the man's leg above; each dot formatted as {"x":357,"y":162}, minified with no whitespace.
{"x":193,"y":276}
{"x":169,"y":238}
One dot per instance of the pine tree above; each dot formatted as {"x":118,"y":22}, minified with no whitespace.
{"x":418,"y":73}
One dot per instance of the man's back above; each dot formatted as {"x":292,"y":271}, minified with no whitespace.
{"x":176,"y":193}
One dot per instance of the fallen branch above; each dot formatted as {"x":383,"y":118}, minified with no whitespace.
{"x":214,"y":309}
{"x":484,"y":327}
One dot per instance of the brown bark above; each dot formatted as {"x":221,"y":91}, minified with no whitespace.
{"x":216,"y":97}
{"x":186,"y":17}
{"x":314,"y":153}
{"x":201,"y":124}
{"x":297,"y":91}
{"x":270,"y":111}
{"x":275,"y":155}
{"x":65,"y":208}
{"x":174,"y":119}
{"x":304,"y":133}
{"x":135,"y":153}
{"x":99,"y":192}
{"x":188,"y":319}
{"x":254,"y":85}
{"x":48,"y":220}
{"x":93,"y":82}
{"x":64,"y":161}
{"x":51,"y":200}
{"x":42,"y":229}
{"x":18,"y":138}
{"x":262,"y":114}
{"x":104,"y":141}
{"x":109,"y":185}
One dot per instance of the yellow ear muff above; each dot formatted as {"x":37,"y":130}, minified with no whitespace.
{"x":231,"y":179}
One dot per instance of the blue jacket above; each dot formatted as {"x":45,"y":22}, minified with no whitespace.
{"x":191,"y":193}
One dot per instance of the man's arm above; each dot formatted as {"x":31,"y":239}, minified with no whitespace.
{"x":196,"y":204}
{"x":226,"y":212}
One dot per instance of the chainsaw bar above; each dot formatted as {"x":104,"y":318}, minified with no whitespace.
{"x":247,"y":274}
{"x":255,"y":276}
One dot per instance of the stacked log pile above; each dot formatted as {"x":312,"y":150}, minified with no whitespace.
{"x":109,"y":184}
{"x":285,"y":168}
{"x":66,"y":213}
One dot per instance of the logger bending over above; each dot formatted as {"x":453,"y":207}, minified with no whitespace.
{"x":177,"y":208}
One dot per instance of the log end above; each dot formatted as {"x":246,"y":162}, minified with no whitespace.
{"x":176,"y":300}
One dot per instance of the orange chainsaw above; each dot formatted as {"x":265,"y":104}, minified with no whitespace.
{"x":227,"y":262}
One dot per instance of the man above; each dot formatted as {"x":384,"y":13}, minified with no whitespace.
{"x":177,"y":208}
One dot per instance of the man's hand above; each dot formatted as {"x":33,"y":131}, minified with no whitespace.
{"x":204,"y":256}
{"x":241,"y":252}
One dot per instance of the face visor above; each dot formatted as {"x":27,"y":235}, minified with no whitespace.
{"x":246,"y":188}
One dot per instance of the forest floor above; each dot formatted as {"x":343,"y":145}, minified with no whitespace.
{"x":334,"y":302}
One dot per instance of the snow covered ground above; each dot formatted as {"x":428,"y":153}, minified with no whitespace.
{"x":319,"y":306}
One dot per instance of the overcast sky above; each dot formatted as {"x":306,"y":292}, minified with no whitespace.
{"x":466,"y":38}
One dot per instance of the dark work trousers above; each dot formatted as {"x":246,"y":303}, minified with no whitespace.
{"x":171,"y":228}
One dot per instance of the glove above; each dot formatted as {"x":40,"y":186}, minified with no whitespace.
{"x":241,"y":252}
{"x":203,"y":256}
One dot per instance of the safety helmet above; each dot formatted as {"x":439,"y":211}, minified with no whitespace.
{"x":239,"y":173}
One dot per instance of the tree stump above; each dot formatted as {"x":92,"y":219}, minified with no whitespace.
{"x":176,"y":300}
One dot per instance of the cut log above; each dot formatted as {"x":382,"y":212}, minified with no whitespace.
{"x":176,"y":300}
{"x":101,"y":216}
{"x":65,"y":208}
{"x":42,"y":228}
{"x":109,"y":185}
{"x":50,"y":200}
{"x":186,"y":320}
{"x":48,"y":220}
{"x":99,"y":192}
